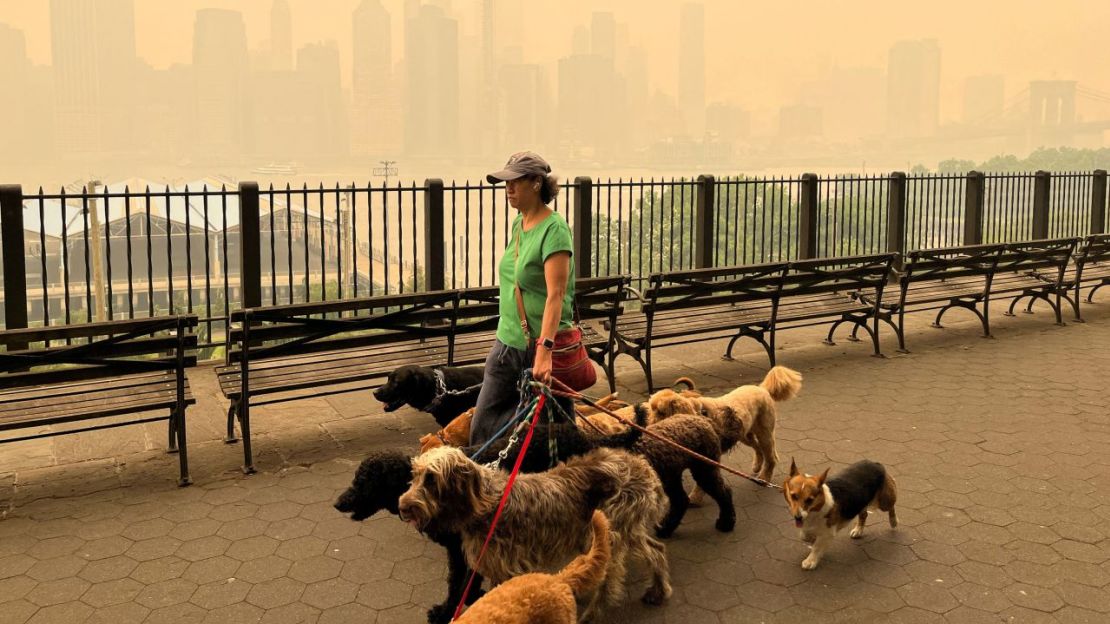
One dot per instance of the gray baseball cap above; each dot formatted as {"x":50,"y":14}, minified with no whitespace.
{"x":521,"y":164}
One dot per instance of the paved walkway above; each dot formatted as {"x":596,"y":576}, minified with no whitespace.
{"x":1001,"y":449}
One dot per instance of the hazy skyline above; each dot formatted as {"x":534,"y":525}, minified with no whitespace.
{"x":776,"y":46}
{"x":446,"y":86}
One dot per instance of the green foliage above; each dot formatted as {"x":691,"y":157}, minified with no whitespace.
{"x":1042,"y":159}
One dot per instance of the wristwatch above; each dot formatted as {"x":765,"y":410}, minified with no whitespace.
{"x":548,"y":343}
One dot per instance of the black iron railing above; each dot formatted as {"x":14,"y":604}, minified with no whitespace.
{"x":111,"y":252}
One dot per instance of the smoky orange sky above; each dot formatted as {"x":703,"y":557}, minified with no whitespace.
{"x":757,"y":53}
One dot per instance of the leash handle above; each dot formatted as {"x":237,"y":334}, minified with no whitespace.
{"x":501,"y":505}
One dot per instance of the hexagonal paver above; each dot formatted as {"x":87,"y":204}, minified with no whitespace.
{"x":384,"y":594}
{"x":57,"y":568}
{"x":58,"y":591}
{"x":263,"y":569}
{"x":203,"y":548}
{"x":166,"y":593}
{"x":275,"y":593}
{"x":220,"y":593}
{"x":302,"y":548}
{"x":111,"y":593}
{"x":252,"y":548}
{"x":211,"y":570}
{"x":315,"y":569}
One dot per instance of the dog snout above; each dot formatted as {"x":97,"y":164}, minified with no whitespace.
{"x":344,"y":504}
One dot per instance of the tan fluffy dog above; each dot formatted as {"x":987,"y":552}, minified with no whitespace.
{"x":747,"y":414}
{"x":457,"y":432}
{"x":599,"y":422}
{"x":547,"y":598}
{"x":546,"y":522}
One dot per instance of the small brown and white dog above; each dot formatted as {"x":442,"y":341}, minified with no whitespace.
{"x":822,"y":506}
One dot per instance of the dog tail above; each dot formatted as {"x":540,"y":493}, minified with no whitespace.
{"x":628,"y":437}
{"x":782,"y":383}
{"x":684,"y":381}
{"x":586,"y":572}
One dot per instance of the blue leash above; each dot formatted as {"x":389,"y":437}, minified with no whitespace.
{"x":522,"y":410}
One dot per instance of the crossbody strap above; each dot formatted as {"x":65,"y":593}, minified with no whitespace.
{"x":516,"y":287}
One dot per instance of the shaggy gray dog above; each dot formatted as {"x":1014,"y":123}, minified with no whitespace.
{"x":546,"y":522}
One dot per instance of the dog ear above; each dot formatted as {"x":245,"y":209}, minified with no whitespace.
{"x":821,"y":479}
{"x":793,"y":468}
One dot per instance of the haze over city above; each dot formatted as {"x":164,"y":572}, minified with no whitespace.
{"x":183,"y":89}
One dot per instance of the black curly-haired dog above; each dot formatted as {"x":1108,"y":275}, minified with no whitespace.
{"x":697,"y":434}
{"x":416,"y":386}
{"x":383,"y":476}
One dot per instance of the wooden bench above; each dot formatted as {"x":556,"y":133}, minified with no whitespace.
{"x":969,"y":277}
{"x":753,"y":301}
{"x":108,"y":369}
{"x":1090,"y":268}
{"x":598,"y":302}
{"x":276,"y":351}
{"x":343,"y":346}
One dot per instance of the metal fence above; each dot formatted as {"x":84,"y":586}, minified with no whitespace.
{"x":118,"y":251}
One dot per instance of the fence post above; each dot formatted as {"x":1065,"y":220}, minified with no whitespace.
{"x":1098,"y":201}
{"x":1041,"y":193}
{"x":896,"y":217}
{"x":435,"y":267}
{"x":583,"y":225}
{"x":15,"y":259}
{"x":250,"y":246}
{"x":807,"y":217}
{"x":704,"y":241}
{"x":975,"y":194}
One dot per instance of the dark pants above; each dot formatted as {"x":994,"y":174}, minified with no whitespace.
{"x":499,"y":396}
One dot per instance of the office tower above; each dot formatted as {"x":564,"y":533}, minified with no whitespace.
{"x":373,"y":114}
{"x":580,"y":42}
{"x":913,"y":89}
{"x":323,"y":130}
{"x":281,"y":36}
{"x":603,"y":35}
{"x":432,"y":83}
{"x":691,"y":68}
{"x":14,"y":74}
{"x":95,"y":65}
{"x":220,"y":64}
{"x":984,"y":99}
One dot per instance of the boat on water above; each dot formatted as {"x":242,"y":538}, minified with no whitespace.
{"x":277,"y":169}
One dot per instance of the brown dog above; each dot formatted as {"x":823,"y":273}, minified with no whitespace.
{"x":457,"y":432}
{"x":538,"y":598}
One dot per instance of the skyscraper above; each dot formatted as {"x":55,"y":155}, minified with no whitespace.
{"x":95,"y":68}
{"x":432,"y":83}
{"x":913,"y":89}
{"x":373,"y":115}
{"x":603,"y":35}
{"x":691,"y":68}
{"x":984,"y":99}
{"x":220,"y":65}
{"x":281,"y":36}
{"x":14,"y":68}
{"x":323,"y":131}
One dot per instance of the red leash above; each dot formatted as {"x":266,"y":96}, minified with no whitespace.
{"x":501,"y":505}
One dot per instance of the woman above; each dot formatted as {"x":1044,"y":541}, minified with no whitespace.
{"x":538,"y":258}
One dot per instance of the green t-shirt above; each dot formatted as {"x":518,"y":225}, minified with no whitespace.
{"x":550,"y":236}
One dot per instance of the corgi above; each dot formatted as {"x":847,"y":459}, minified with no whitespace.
{"x":822,"y":506}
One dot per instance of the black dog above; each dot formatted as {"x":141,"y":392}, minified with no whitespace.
{"x":382,"y":477}
{"x":419,"y":387}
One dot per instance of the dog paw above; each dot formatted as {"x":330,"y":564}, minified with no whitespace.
{"x":440,"y":614}
{"x":726,"y":525}
{"x":855,"y":533}
{"x":809,"y":564}
{"x":664,"y":532}
{"x":654,"y":596}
